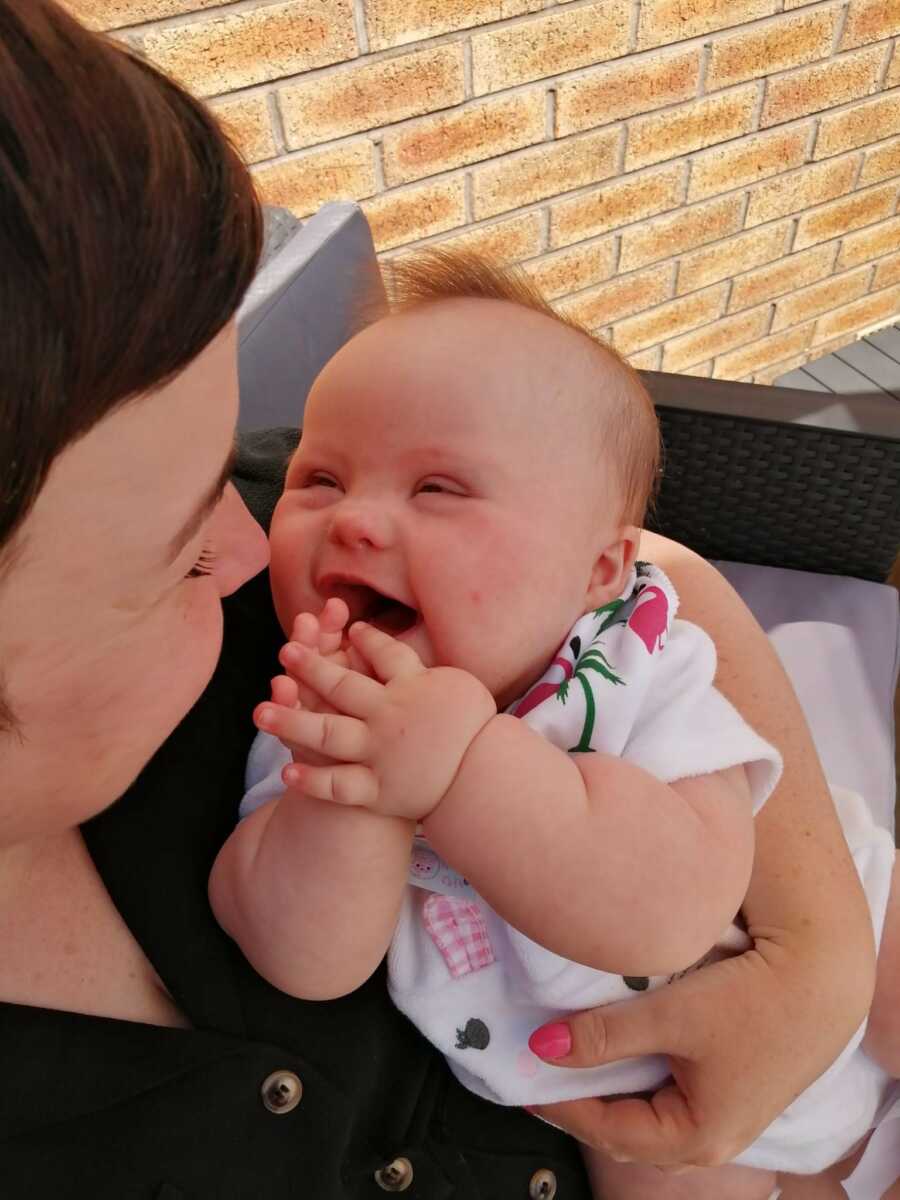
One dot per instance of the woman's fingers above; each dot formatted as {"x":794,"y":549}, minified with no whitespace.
{"x":603,"y":1035}
{"x":347,"y":691}
{"x":658,"y":1131}
{"x":338,"y":737}
{"x":390,"y":658}
{"x":352,"y":785}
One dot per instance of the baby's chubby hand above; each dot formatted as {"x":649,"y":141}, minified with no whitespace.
{"x":324,"y":634}
{"x":395,"y":741}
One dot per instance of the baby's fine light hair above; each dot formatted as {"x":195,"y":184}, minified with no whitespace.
{"x":628,"y":422}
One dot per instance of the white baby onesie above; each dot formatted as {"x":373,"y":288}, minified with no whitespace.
{"x":628,"y":681}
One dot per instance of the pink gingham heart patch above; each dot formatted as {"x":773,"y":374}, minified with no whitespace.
{"x":458,"y":929}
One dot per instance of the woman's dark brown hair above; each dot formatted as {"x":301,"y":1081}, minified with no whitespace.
{"x":129,"y":231}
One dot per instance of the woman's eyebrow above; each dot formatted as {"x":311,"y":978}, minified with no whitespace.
{"x":203,"y":509}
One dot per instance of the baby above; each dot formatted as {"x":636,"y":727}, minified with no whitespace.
{"x":496,"y":754}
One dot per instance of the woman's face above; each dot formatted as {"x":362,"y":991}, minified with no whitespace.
{"x":108,"y":629}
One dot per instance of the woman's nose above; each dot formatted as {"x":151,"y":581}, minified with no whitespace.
{"x":356,"y":524}
{"x":240,"y":545}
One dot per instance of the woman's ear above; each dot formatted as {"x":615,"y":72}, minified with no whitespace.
{"x":612,"y":567}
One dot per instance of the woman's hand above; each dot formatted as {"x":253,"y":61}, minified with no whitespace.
{"x":747,"y":1035}
{"x":743,"y":1037}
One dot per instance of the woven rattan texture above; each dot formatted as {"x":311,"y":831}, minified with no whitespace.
{"x":781,"y":495}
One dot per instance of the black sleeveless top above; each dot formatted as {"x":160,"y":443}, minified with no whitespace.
{"x":114,"y":1110}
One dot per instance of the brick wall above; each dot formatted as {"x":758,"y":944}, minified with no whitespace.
{"x":712,"y":184}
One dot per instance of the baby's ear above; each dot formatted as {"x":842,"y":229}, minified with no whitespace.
{"x":612,"y":567}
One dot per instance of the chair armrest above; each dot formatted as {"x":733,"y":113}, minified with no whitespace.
{"x":778,"y":476}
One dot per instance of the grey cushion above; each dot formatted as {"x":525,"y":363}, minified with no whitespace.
{"x":839,"y":641}
{"x":300,"y":309}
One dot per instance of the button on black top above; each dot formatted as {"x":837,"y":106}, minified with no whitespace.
{"x":542,"y":1185}
{"x":281,"y":1092}
{"x":396,"y":1176}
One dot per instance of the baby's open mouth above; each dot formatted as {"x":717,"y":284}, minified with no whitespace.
{"x":384,"y":612}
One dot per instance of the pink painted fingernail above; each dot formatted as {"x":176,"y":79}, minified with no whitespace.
{"x":551,"y":1041}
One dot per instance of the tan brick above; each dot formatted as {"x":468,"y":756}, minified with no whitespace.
{"x":619,"y":203}
{"x":870,"y":21}
{"x":502,"y":241}
{"x":869,"y":122}
{"x":634,"y":86}
{"x":748,"y":160}
{"x":892,"y":79}
{"x":416,"y":212}
{"x":396,"y":22}
{"x":824,"y":85}
{"x":358,"y":97}
{"x":114,"y":14}
{"x":842,"y":216}
{"x":781,"y":277}
{"x":249,"y":47}
{"x":305,"y":183}
{"x":561,"y":41}
{"x":700,"y":370}
{"x":887,"y":272}
{"x":726,"y":259}
{"x":572,"y":270}
{"x":677,"y":20}
{"x":669,"y":320}
{"x":548,"y":170}
{"x":738,"y":363}
{"x":646,"y":360}
{"x":861,"y":315}
{"x":684,"y":230}
{"x":769,"y":374}
{"x":821,"y":297}
{"x":710,"y":340}
{"x":700,"y":123}
{"x":465,"y":135}
{"x":801,"y":189}
{"x":247,"y":122}
{"x":870,"y":243}
{"x":773,"y":46}
{"x":598,"y":306}
{"x":882,"y":162}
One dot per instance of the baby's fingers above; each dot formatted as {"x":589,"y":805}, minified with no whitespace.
{"x":354,"y":786}
{"x":344,"y":690}
{"x":332,"y":620}
{"x":330,"y":734}
{"x":390,"y":658}
{"x":284,"y":692}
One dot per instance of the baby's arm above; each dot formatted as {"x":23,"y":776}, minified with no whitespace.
{"x":311,"y":890}
{"x":593,"y":857}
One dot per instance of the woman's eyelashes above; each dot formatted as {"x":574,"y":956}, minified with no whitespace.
{"x":206,"y":560}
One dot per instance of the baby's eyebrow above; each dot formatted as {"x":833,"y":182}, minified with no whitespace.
{"x":206,"y":505}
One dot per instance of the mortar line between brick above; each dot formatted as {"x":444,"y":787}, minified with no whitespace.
{"x":882,"y":74}
{"x":359,"y":22}
{"x":550,"y":128}
{"x":634,"y":27}
{"x":468,"y":199}
{"x":839,"y":26}
{"x":468,"y":85}
{"x":378,"y":152}
{"x":277,"y":118}
{"x":705,"y":56}
{"x":545,"y":230}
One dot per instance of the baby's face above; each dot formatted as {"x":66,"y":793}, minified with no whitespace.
{"x":442,"y":489}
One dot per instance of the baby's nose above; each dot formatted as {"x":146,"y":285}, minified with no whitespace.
{"x":356,"y":524}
